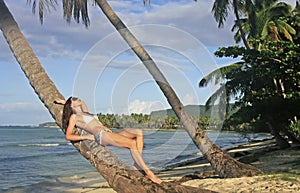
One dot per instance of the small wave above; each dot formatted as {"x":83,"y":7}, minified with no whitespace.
{"x":36,"y":156}
{"x":40,"y":145}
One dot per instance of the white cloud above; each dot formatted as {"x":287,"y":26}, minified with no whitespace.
{"x":56,"y":38}
{"x":136,"y":106}
{"x":193,"y":17}
{"x":145,"y":107}
{"x":189,"y":99}
{"x":56,"y":42}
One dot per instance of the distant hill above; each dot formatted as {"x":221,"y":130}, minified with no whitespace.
{"x":193,"y":110}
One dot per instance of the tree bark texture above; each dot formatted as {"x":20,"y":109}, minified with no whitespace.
{"x":280,"y":141}
{"x":205,"y":145}
{"x":118,"y":175}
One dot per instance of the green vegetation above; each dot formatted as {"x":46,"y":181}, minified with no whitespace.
{"x":265,"y":83}
{"x":295,"y":128}
{"x":48,"y":124}
{"x":163,"y":119}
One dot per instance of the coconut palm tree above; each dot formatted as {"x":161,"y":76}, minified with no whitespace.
{"x":221,"y":8}
{"x":117,"y":174}
{"x":262,"y":19}
{"x":223,"y":164}
{"x":213,"y":153}
{"x":267,"y":20}
{"x":100,"y":157}
{"x":274,"y":25}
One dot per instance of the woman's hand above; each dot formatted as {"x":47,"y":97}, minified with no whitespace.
{"x":60,"y":101}
{"x":89,"y":137}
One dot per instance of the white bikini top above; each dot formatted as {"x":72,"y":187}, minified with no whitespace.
{"x":87,"y":118}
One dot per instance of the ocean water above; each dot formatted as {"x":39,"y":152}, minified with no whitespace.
{"x":33,"y":155}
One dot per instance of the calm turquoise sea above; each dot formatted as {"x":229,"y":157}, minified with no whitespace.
{"x":34,"y":155}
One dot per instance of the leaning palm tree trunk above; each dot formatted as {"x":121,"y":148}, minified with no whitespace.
{"x":120,"y":178}
{"x":223,"y":164}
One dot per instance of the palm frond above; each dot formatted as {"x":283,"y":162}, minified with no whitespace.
{"x":219,"y":93}
{"x":220,"y":10}
{"x":213,"y":76}
{"x":77,"y":9}
{"x":218,"y":75}
{"x":283,"y":28}
{"x":44,"y":5}
{"x":219,"y":99}
{"x":147,"y":2}
{"x":280,"y":9}
{"x":245,"y":28}
{"x":268,"y":28}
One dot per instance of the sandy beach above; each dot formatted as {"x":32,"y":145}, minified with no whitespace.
{"x":281,"y":172}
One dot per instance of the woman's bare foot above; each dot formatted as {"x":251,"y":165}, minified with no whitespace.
{"x":154,"y":179}
{"x":138,"y":168}
{"x":150,"y":175}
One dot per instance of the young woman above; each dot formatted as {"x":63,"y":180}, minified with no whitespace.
{"x":76,"y":114}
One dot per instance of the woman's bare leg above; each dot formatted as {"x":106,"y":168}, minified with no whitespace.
{"x":118,"y":140}
{"x":136,"y":134}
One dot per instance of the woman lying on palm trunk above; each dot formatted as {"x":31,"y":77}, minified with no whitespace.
{"x":76,"y":114}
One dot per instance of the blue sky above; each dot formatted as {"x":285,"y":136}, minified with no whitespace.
{"x":96,"y":65}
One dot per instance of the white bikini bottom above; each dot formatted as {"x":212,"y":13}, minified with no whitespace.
{"x":99,"y":136}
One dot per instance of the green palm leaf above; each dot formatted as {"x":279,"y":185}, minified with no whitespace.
{"x":42,"y":5}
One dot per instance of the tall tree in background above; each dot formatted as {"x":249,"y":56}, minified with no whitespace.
{"x":256,"y":19}
{"x":262,"y":101}
{"x":266,"y":20}
{"x":221,"y":8}
{"x":263,"y":68}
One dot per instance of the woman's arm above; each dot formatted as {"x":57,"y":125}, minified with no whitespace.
{"x":74,"y":137}
{"x":60,"y":101}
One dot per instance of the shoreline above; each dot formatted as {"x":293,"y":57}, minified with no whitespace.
{"x":274,"y":179}
{"x":281,"y":173}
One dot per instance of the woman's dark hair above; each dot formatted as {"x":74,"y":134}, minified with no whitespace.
{"x":67,"y":113}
